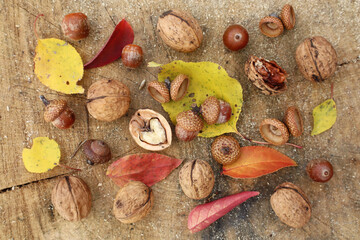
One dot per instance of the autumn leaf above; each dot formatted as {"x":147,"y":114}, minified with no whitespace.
{"x":256,"y":161}
{"x":324,"y":116}
{"x":58,"y":65}
{"x":205,"y":214}
{"x":43,"y":156}
{"x":206,"y":79}
{"x":148,"y":168}
{"x":122,"y":35}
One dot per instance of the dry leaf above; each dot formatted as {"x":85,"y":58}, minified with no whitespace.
{"x":58,"y":65}
{"x":43,"y":156}
{"x":206,"y":79}
{"x":148,"y":168}
{"x":256,"y":161}
{"x":205,"y":214}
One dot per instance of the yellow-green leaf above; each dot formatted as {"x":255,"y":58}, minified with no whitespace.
{"x":206,"y":79}
{"x":324,"y":116}
{"x":58,"y":65}
{"x":154,"y":64}
{"x":43,"y":156}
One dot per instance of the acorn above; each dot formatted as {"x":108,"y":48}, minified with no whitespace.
{"x":271,"y":26}
{"x":188,"y":125}
{"x":96,"y":151}
{"x":179,"y":87}
{"x":58,"y":113}
{"x":287,"y":16}
{"x":159,"y":91}
{"x":225,"y":112}
{"x":225,"y":149}
{"x":294,"y":121}
{"x":210,"y":110}
{"x":274,"y":131}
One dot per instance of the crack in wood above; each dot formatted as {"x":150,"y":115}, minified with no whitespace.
{"x":354,"y":61}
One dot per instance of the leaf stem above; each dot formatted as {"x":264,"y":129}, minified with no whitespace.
{"x":37,"y":17}
{"x":64,"y":166}
{"x":332,"y":91}
{"x":78,"y":148}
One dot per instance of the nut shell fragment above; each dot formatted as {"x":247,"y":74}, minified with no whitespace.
{"x":108,"y":100}
{"x":294,"y":121}
{"x":179,"y":87}
{"x":271,"y":26}
{"x":159,"y":91}
{"x":71,"y":198}
{"x":291,"y":205}
{"x":133,"y":202}
{"x":196,"y":179}
{"x":316,"y":59}
{"x":266,"y":75}
{"x":287,"y":16}
{"x":274,"y":131}
{"x":180,"y":31}
{"x":153,"y":136}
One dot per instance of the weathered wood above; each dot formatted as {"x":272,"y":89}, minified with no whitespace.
{"x":25,"y":205}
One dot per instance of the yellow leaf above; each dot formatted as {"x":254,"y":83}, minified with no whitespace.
{"x":206,"y":79}
{"x":58,"y":65}
{"x":324,"y":116}
{"x":43,"y":156}
{"x":154,"y":64}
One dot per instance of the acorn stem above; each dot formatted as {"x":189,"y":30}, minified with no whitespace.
{"x":37,"y":17}
{"x":64,"y":166}
{"x":78,"y":148}
{"x":44,"y":100}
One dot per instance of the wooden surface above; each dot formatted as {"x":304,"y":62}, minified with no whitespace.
{"x":25,"y":206}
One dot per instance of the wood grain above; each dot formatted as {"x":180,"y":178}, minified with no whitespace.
{"x":25,"y":205}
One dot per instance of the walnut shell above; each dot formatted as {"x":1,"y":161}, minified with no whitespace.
{"x":291,"y":205}
{"x":266,"y":75}
{"x":133,"y":202}
{"x":196,"y":179}
{"x":316,"y":59}
{"x":71,"y":198}
{"x":108,"y":100}
{"x":180,"y":31}
{"x":151,"y":136}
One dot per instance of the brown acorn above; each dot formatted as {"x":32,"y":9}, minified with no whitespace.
{"x":294,"y":121}
{"x":287,"y":16}
{"x":188,"y":125}
{"x":96,"y":151}
{"x":185,"y":135}
{"x":159,"y":91}
{"x":225,"y":149}
{"x":179,"y":87}
{"x":271,"y":26}
{"x":210,"y":110}
{"x":58,"y":113}
{"x":274,"y":131}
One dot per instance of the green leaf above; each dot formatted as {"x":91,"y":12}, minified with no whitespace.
{"x":324,"y":116}
{"x":206,"y":79}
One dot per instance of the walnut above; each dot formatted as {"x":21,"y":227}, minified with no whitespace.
{"x":133,"y":202}
{"x":108,"y":100}
{"x":180,"y":31}
{"x":291,"y":205}
{"x":266,"y":75}
{"x":316,"y":59}
{"x":71,"y":198}
{"x":196,"y":179}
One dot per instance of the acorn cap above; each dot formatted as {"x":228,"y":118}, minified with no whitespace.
{"x":293,"y":121}
{"x":225,"y":149}
{"x":54,"y":109}
{"x":189,"y":121}
{"x":271,"y":26}
{"x":287,"y":16}
{"x":210,"y":110}
{"x":274,"y":131}
{"x":179,"y":87}
{"x":159,"y":91}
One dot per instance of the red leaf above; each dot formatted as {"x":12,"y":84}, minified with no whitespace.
{"x":256,"y":161}
{"x":122,"y":36}
{"x":148,"y":168}
{"x":205,"y":214}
